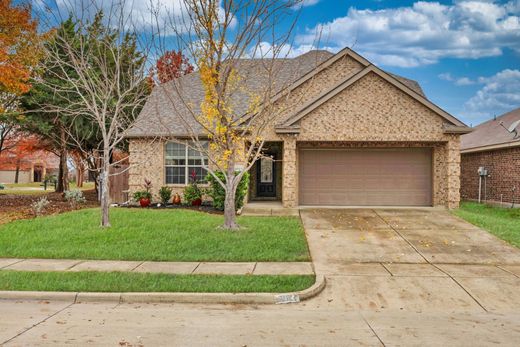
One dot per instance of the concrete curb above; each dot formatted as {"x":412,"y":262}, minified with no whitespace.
{"x":195,"y":298}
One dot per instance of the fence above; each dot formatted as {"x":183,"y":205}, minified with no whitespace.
{"x":118,"y":181}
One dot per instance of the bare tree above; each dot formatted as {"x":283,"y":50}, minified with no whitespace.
{"x":222,"y":37}
{"x":100,"y":76}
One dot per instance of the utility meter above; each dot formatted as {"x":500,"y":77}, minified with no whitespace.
{"x":482,"y":171}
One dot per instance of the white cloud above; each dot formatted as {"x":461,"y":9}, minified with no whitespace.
{"x":464,"y":81}
{"x":500,"y":93}
{"x":425,"y":32}
{"x":305,"y":3}
{"x":461,"y":81}
{"x":166,"y":17}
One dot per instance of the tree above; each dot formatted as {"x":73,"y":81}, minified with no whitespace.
{"x":38,"y":119}
{"x":18,"y":147}
{"x":99,"y":75}
{"x":171,"y":65}
{"x":219,"y":35}
{"x":19,"y":51}
{"x":7,"y":133}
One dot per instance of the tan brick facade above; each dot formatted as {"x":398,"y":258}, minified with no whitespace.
{"x":369,"y":113}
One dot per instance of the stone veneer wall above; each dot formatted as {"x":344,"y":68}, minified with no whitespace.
{"x":503,"y":166}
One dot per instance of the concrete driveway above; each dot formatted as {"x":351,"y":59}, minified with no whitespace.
{"x":417,"y":259}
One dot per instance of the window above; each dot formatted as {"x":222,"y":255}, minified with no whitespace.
{"x":181,"y":161}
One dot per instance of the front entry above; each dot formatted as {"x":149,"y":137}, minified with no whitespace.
{"x":266,"y":177}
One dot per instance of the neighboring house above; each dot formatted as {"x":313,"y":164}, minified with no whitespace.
{"x":496,"y":149}
{"x":29,"y":165}
{"x":350,"y":134}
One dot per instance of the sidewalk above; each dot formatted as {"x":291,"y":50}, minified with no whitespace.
{"x":196,"y":268}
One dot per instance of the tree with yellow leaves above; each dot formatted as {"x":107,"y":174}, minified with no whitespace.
{"x":221,"y":37}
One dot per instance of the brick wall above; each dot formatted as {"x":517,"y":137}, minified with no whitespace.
{"x":504,"y":173}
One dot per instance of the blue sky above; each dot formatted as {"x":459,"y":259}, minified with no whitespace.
{"x":464,"y":53}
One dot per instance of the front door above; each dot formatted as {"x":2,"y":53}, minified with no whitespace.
{"x":266,"y":177}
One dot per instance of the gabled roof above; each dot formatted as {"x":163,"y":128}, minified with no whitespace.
{"x":407,"y":86}
{"x":491,"y":135}
{"x":170,"y":109}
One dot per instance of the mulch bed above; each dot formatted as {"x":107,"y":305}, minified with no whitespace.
{"x":205,"y":207}
{"x":13,"y":207}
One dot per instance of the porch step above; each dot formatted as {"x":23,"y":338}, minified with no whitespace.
{"x":271,"y":208}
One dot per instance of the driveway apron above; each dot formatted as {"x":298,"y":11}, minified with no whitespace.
{"x":424,"y":260}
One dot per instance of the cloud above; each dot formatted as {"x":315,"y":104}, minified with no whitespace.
{"x":305,"y":3}
{"x":461,"y":81}
{"x":166,"y":17}
{"x":425,"y":32}
{"x":499,"y":94}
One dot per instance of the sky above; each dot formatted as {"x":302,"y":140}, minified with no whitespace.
{"x":464,"y":53}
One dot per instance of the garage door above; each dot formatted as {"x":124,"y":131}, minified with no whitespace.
{"x":377,"y":177}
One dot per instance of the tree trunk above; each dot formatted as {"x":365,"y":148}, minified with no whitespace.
{"x":105,"y":192}
{"x":230,"y":218}
{"x":63,"y":173}
{"x":80,"y":172}
{"x":17,"y":172}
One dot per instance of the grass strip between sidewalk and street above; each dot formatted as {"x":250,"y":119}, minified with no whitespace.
{"x":145,"y":282}
{"x":499,"y":221}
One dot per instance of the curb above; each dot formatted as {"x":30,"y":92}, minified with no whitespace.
{"x":194,"y":298}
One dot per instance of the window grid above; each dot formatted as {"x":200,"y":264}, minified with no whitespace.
{"x":181,"y":161}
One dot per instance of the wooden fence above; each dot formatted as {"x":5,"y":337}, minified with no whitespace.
{"x":118,"y":181}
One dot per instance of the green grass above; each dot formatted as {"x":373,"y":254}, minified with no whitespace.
{"x":140,"y":282}
{"x":501,"y":222}
{"x":160,"y":235}
{"x":14,"y":188}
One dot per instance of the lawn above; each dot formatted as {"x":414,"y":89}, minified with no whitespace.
{"x":160,"y":235}
{"x":138,"y":282}
{"x":35,"y":188}
{"x":501,"y":222}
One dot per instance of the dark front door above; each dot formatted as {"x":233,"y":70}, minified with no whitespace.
{"x":266,"y":177}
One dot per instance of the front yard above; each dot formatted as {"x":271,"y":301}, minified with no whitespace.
{"x":153,"y":235}
{"x":158,"y":235}
{"x":501,"y":222}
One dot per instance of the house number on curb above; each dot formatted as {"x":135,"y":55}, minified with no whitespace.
{"x":287,"y":298}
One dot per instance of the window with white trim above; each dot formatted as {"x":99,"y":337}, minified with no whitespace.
{"x":181,"y":161}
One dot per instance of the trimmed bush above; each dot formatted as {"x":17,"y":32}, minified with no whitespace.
{"x":165,"y":193}
{"x":218,"y":194}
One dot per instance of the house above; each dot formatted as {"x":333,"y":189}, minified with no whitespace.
{"x":349,"y":134}
{"x":26,"y":165}
{"x":496,"y":149}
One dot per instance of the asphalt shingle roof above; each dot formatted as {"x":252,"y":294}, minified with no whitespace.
{"x":171,"y":107}
{"x":491,"y":132}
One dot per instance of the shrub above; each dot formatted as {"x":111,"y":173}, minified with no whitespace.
{"x":74,"y":197}
{"x":218,"y":194}
{"x":192,"y":191}
{"x":39,"y":205}
{"x":144,"y":194}
{"x":165,"y":193}
{"x":2,"y":186}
